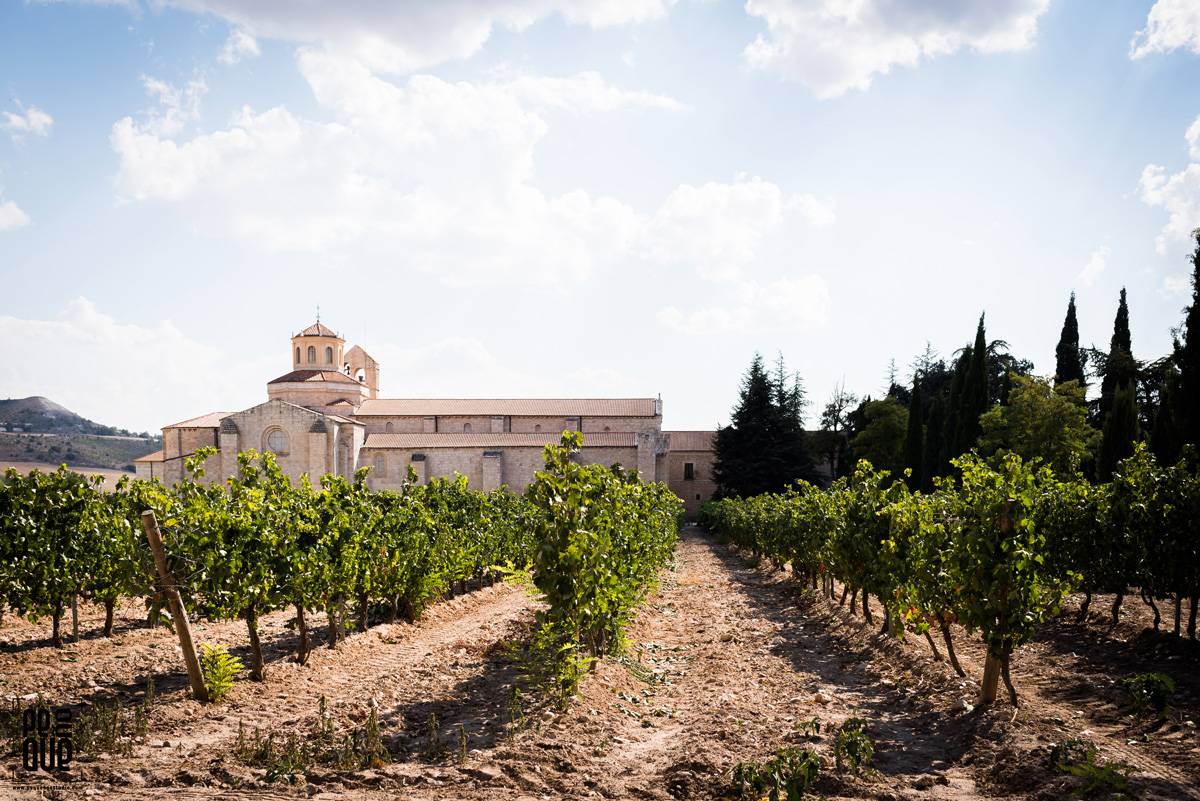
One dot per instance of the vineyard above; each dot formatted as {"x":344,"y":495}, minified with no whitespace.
{"x":442,"y":642}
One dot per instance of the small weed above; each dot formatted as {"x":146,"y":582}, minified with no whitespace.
{"x":809,"y":728}
{"x":1077,"y":757}
{"x":853,"y":749}
{"x":220,"y":668}
{"x":432,"y":732}
{"x":787,"y":776}
{"x":287,"y":757}
{"x":462,"y":743}
{"x":1150,"y":692}
{"x":516,"y":710}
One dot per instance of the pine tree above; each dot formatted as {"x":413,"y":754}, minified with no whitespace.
{"x":1119,"y":367}
{"x":914,"y":442}
{"x":1068,"y":360}
{"x":1188,"y":360}
{"x":931,"y":464}
{"x":1120,"y":431}
{"x":974,"y":398}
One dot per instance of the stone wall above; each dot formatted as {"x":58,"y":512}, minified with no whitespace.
{"x":697,"y":490}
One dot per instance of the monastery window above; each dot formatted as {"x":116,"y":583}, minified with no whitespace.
{"x":297,"y":355}
{"x":606,"y":428}
{"x":277,"y":441}
{"x":387,"y":428}
{"x":538,"y":428}
{"x":689,"y":471}
{"x":380,"y":466}
{"x":328,"y":355}
{"x":466,"y":428}
{"x":312,"y":355}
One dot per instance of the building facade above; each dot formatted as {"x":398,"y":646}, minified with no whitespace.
{"x":325,"y":416}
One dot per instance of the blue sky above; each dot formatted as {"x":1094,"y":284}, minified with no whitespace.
{"x":560,"y":197}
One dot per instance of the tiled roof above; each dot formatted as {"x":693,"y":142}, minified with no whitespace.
{"x":298,"y":376}
{"x":318,"y":329}
{"x":485,"y":440}
{"x":157,"y":456}
{"x":690,"y":440}
{"x":211,"y":420}
{"x":518,"y":407}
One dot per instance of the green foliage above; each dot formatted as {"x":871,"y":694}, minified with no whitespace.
{"x":220,"y":668}
{"x":1149,"y":692}
{"x":1077,"y":758}
{"x":1041,"y":421}
{"x":881,"y":438}
{"x":1120,"y":430}
{"x":342,"y":745}
{"x":1068,"y":360}
{"x":788,"y":775}
{"x":853,"y":749}
{"x":600,"y":537}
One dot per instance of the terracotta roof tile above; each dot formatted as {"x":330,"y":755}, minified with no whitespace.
{"x":157,"y":456}
{"x":210,"y":420}
{"x":318,"y":329}
{"x":300,"y":376}
{"x":486,"y":440}
{"x":690,"y":440}
{"x":516,"y":407}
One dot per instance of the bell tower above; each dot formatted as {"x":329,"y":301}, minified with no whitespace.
{"x":317,"y":347}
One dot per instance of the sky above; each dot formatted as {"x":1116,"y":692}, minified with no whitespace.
{"x":577,"y":198}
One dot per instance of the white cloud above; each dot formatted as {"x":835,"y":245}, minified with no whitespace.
{"x":30,"y":120}
{"x":1096,"y":264}
{"x":11,"y":216}
{"x":1170,"y":25}
{"x":720,"y":227}
{"x":84,"y":362}
{"x":1174,"y":286}
{"x":436,"y":175}
{"x":791,"y":304}
{"x":1178,"y":194}
{"x":176,"y":106}
{"x":399,"y":36}
{"x":835,"y":46}
{"x":241,"y":44}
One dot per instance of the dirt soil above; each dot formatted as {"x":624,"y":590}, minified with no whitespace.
{"x":727,"y":662}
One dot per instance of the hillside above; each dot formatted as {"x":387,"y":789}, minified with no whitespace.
{"x":37,"y":429}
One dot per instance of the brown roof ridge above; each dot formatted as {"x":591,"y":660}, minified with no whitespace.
{"x":210,"y":420}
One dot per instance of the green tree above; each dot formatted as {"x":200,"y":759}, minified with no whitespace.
{"x":953,"y":410}
{"x":1120,"y":431}
{"x":1043,"y":421}
{"x":1119,"y":366}
{"x":1189,"y":359}
{"x":1166,"y":437}
{"x":974,"y":399}
{"x":914,"y":440}
{"x":1068,"y":365}
{"x":931,"y":466}
{"x":882,"y":436}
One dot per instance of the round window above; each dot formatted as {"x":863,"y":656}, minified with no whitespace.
{"x":277,"y":441}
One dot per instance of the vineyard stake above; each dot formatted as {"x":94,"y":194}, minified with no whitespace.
{"x":182,"y":627}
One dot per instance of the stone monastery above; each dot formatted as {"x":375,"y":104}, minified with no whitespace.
{"x":326,"y":416}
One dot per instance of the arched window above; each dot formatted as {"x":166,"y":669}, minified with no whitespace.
{"x":387,"y":429}
{"x":538,"y":428}
{"x":328,"y":355}
{"x":297,"y":355}
{"x":466,"y":428}
{"x":277,"y":441}
{"x":606,"y":428}
{"x":380,"y":469}
{"x":312,"y":355}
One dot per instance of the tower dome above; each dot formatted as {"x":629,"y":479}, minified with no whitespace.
{"x":317,"y":347}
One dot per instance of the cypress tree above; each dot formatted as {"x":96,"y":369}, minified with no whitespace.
{"x":1068,"y":361}
{"x":953,"y":408}
{"x":974,"y":398}
{"x":914,"y":441}
{"x":1119,"y":368}
{"x":1188,"y":359}
{"x":1166,"y":443}
{"x":1120,"y":431}
{"x":931,"y":464}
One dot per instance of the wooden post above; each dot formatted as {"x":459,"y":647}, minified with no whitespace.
{"x":182,"y":627}
{"x":75,"y":617}
{"x":991,"y":679}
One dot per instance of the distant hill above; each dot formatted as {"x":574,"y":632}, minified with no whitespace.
{"x":39,"y":430}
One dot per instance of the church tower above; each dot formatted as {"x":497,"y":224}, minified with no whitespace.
{"x":317,"y":347}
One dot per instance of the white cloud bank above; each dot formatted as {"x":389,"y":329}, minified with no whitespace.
{"x":87,"y":361}
{"x":405,"y":35}
{"x":1097,"y":262}
{"x":1178,"y":194}
{"x":1170,"y":25}
{"x":240,"y":45}
{"x":835,"y":46}
{"x":787,"y":305}
{"x":436,"y":175}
